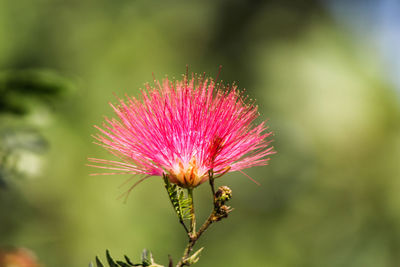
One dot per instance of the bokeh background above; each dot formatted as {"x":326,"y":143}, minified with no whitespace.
{"x":324,"y":73}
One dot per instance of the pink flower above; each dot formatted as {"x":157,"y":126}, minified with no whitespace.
{"x":184,"y":129}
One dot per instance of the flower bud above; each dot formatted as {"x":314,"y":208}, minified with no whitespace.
{"x":223,"y":194}
{"x":221,"y":213}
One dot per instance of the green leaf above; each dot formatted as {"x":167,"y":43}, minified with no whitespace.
{"x":123,"y":264}
{"x":178,"y":199}
{"x":98,"y":262}
{"x":110,"y":260}
{"x":147,"y":260}
{"x":184,"y":204}
{"x":170,"y":263}
{"x":129,"y":261}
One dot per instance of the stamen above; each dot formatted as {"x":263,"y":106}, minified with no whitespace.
{"x":251,"y":179}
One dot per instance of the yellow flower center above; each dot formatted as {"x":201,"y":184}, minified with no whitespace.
{"x":187,"y":175}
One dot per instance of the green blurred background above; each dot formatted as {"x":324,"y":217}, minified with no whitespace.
{"x":330,"y":197}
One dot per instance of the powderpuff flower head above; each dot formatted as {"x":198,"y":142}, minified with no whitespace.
{"x":185,"y":130}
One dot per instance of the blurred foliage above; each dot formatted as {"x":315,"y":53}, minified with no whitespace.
{"x":23,"y":92}
{"x":329,"y":197}
{"x":19,"y":149}
{"x":17,"y":89}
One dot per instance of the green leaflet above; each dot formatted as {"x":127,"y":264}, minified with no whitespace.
{"x":98,"y":262}
{"x":110,"y":260}
{"x":112,"y":263}
{"x":179,"y":201}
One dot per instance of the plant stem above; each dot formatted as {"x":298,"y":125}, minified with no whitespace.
{"x":193,"y":239}
{"x":193,"y":236}
{"x":184,"y":225}
{"x":211,"y":180}
{"x":192,"y":231}
{"x":219,"y":211}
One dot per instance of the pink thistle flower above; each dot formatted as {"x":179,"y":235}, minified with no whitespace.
{"x":183,"y":130}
